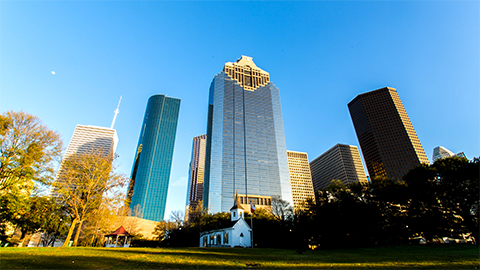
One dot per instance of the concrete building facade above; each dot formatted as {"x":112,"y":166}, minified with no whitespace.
{"x":389,"y":143}
{"x":300,"y":178}
{"x":341,"y":162}
{"x":196,"y":173}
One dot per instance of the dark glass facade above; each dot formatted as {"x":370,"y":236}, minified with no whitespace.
{"x":246,"y":148}
{"x":196,"y":173}
{"x":389,"y":143}
{"x":151,"y":169}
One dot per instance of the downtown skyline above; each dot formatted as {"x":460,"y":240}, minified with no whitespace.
{"x":69,"y":62}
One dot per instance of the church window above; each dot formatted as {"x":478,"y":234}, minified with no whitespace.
{"x":225,"y":238}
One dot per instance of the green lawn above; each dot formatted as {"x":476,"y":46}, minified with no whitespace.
{"x":440,"y":257}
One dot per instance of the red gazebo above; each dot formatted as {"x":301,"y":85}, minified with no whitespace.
{"x":121,"y":236}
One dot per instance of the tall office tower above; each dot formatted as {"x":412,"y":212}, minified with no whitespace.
{"x":341,"y":162}
{"x":442,"y":152}
{"x":148,"y":188}
{"x":300,"y":178}
{"x":196,"y":172}
{"x":389,"y":143}
{"x":246,"y":148}
{"x":88,"y":138}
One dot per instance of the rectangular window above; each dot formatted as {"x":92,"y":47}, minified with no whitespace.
{"x":225,"y":238}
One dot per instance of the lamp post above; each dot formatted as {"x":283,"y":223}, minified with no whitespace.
{"x":96,"y":237}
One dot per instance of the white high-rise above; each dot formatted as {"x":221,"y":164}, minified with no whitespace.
{"x":442,"y":152}
{"x":87,"y":138}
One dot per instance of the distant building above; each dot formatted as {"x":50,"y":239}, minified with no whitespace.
{"x":389,"y":143}
{"x":341,"y":162}
{"x":196,"y":173}
{"x":300,"y":178}
{"x":442,"y":152}
{"x":85,"y":139}
{"x":246,"y":148}
{"x":148,"y":188}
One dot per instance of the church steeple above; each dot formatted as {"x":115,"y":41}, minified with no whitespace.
{"x":237,"y":211}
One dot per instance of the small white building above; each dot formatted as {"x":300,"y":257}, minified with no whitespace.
{"x":239,"y":234}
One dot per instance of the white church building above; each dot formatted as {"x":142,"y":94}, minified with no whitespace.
{"x":238,"y":235}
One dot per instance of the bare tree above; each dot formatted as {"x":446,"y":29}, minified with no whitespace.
{"x":177,"y":217}
{"x":83,"y":181}
{"x":281,"y":209}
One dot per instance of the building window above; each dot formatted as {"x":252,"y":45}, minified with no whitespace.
{"x":225,"y":238}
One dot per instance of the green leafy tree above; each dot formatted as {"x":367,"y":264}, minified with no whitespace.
{"x":28,"y":150}
{"x":444,"y":198}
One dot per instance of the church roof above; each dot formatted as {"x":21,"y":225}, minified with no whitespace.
{"x":120,"y":231}
{"x":236,"y":204}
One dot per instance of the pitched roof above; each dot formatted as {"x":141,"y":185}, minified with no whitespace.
{"x":120,"y":231}
{"x":236,"y":203}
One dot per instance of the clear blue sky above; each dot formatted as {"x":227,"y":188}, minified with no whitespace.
{"x":319,"y":54}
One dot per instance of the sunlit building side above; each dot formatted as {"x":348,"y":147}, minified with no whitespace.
{"x":300,"y":179}
{"x":389,"y":143}
{"x":341,"y":162}
{"x":246,"y":148}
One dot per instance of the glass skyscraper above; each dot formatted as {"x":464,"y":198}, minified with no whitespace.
{"x":246,"y":148}
{"x":147,"y":192}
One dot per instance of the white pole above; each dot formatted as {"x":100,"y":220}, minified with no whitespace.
{"x":116,"y":112}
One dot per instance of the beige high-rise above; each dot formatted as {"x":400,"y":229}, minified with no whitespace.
{"x":341,"y":162}
{"x":300,"y":178}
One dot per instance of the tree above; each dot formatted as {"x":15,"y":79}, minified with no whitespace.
{"x":163,"y":228}
{"x":177,"y":217}
{"x":444,"y":198}
{"x":281,"y":209}
{"x":28,"y":150}
{"x":53,"y":222}
{"x":83,"y":181}
{"x":28,"y":154}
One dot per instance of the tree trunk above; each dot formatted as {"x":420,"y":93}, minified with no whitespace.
{"x":70,"y":232}
{"x":77,"y":234}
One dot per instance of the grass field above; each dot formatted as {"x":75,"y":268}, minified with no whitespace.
{"x":424,"y":257}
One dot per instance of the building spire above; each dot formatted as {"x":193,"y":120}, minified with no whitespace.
{"x":116,"y":112}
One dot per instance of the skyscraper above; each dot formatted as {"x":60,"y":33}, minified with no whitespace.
{"x":88,"y":138}
{"x":196,"y":172}
{"x":246,"y":148}
{"x":389,"y":143}
{"x":341,"y":162}
{"x":147,"y":192}
{"x":300,"y":178}
{"x":442,"y":152}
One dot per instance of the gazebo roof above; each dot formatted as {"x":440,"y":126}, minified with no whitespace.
{"x":120,"y":232}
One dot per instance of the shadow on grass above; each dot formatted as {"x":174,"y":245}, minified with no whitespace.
{"x":453,"y":257}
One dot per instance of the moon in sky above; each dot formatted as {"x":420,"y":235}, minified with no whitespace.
{"x":53,"y":72}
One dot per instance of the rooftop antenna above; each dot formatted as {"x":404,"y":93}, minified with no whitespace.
{"x":116,"y":112}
